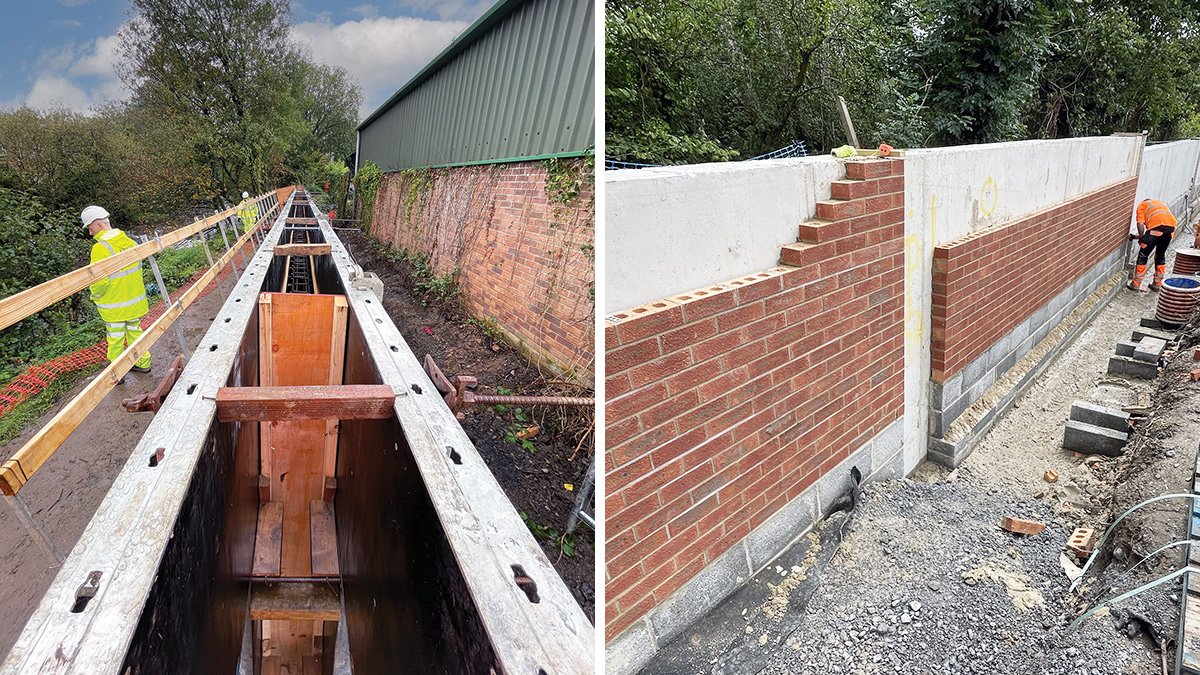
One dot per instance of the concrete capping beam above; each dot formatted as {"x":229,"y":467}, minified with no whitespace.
{"x":881,"y":458}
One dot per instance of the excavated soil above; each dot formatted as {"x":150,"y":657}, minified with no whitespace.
{"x":535,"y":481}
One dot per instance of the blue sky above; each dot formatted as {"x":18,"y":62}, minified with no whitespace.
{"x":63,"y":52}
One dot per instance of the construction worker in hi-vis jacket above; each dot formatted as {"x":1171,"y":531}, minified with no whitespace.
{"x":248,"y":212}
{"x":1155,"y":226}
{"x":121,"y":298}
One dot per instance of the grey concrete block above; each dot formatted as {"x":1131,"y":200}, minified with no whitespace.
{"x":1149,"y":349}
{"x":893,"y":469}
{"x":940,"y":420}
{"x":1009,"y":361}
{"x":774,"y":536}
{"x":887,"y":446}
{"x":974,"y":371}
{"x":1090,"y":439}
{"x":700,"y":594}
{"x":1041,"y":333}
{"x":945,"y":453}
{"x":1101,"y":416}
{"x":628,"y":652}
{"x":941,"y":393}
{"x":1140,"y":334}
{"x":981,"y":385}
{"x":1126,"y":348}
{"x":1151,"y":321}
{"x":1122,"y":365}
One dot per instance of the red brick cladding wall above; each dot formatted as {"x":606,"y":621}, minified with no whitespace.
{"x":987,"y":283}
{"x":725,"y":403}
{"x":521,"y":255}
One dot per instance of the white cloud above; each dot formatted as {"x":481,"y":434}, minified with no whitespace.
{"x":382,"y":53}
{"x":69,"y":22}
{"x":50,"y":91}
{"x":77,"y":78}
{"x":73,"y":3}
{"x":366,"y":11}
{"x":467,"y":10}
{"x":102,"y":60}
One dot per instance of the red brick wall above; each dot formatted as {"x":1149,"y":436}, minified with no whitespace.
{"x":987,"y":283}
{"x":725,"y":403}
{"x":521,"y":254}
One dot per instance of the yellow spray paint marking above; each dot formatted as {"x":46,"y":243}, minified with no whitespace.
{"x":914,"y":319}
{"x":989,"y":196}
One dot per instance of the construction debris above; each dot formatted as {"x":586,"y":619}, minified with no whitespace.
{"x":1050,"y":476}
{"x":1022,"y":526}
{"x":1082,"y":542}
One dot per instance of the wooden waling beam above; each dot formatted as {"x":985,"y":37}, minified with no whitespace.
{"x":302,"y":249}
{"x":33,"y":300}
{"x":318,"y":402}
{"x":20,"y":467}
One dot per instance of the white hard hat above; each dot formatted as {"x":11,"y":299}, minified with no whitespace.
{"x":92,"y":213}
{"x":245,"y":195}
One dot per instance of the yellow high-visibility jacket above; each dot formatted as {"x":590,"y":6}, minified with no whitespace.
{"x":122,"y":296}
{"x":249,"y":215}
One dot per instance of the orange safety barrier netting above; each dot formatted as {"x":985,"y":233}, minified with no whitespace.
{"x":37,"y":378}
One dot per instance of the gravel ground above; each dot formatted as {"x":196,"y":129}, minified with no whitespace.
{"x":925,"y":580}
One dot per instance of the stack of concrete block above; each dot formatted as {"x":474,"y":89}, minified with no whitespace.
{"x":1096,"y":430}
{"x":1139,"y":357}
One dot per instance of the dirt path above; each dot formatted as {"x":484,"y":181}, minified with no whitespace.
{"x":534,"y":477}
{"x":65,"y":492}
{"x":925,"y":581}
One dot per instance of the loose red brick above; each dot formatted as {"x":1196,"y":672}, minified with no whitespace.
{"x":1022,"y":526}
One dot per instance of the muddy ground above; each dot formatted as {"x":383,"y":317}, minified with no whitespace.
{"x":65,"y":492}
{"x":925,"y":580}
{"x":534,"y":480}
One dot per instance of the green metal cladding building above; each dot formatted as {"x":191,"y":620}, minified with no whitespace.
{"x":517,"y":85}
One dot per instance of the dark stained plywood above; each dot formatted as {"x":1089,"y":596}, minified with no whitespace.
{"x":194,"y":618}
{"x":405,"y":599}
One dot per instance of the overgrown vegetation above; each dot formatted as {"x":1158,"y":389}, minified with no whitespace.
{"x":366,"y":183}
{"x":419,"y":182}
{"x":566,"y":543}
{"x":720,"y":79}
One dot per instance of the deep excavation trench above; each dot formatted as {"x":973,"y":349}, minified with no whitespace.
{"x":920,"y":577}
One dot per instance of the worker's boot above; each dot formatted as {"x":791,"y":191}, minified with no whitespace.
{"x":1160,"y":271}
{"x":1135,"y":284}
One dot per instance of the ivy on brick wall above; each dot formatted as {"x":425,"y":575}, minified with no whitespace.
{"x":367,"y":184}
{"x":418,"y":182}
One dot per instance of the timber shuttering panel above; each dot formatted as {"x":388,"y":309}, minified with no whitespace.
{"x":519,"y":83}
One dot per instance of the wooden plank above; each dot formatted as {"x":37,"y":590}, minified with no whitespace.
{"x":302,"y":249}
{"x":33,"y":300}
{"x":337,"y":356}
{"x":268,"y":540}
{"x":24,"y":462}
{"x":266,"y":378}
{"x":300,"y":221}
{"x":323,"y":535}
{"x":317,"y":601}
{"x":324,"y":402}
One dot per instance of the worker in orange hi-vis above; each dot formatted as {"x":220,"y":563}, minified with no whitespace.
{"x":1155,"y":226}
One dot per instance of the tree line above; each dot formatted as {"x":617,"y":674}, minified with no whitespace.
{"x":711,"y":80}
{"x":222,"y":101}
